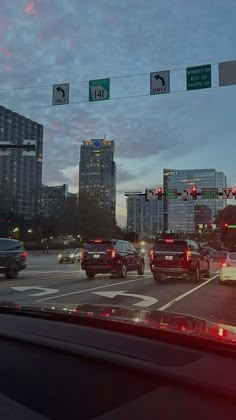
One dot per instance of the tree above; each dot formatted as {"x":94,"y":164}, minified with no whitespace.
{"x":227,"y":216}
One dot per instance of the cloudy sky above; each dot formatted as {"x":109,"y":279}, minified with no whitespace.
{"x":46,"y":42}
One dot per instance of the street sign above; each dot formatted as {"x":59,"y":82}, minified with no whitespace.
{"x":60,"y":94}
{"x":210,"y":193}
{"x":150,"y":194}
{"x":29,"y":152}
{"x":227,"y":73}
{"x":3,"y":150}
{"x":99,"y":90}
{"x":185,"y":194}
{"x":159,"y":82}
{"x":198,"y":77}
{"x":227,"y":193}
{"x":171,"y":194}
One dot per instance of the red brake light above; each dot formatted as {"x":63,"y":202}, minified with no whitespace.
{"x":225,"y":264}
{"x":24,"y":254}
{"x":151,"y":253}
{"x":82,"y":254}
{"x":112,"y":252}
{"x":97,"y":241}
{"x":169,"y":240}
{"x":188,"y":255}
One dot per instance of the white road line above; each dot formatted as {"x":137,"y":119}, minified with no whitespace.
{"x":94,"y":288}
{"x":172,"y":302}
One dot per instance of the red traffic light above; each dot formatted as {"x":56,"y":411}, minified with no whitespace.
{"x":159,"y":193}
{"x":194,"y":192}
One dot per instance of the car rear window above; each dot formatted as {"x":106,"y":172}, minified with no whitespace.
{"x":168,"y":246}
{"x":98,"y":246}
{"x":10,"y":245}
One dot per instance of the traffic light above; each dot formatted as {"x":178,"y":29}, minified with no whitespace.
{"x":194,"y":193}
{"x":159,"y":193}
{"x":234,"y":192}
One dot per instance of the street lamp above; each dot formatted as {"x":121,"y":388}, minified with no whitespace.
{"x":30,"y":231}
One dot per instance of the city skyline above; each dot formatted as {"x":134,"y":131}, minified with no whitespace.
{"x":184,"y":129}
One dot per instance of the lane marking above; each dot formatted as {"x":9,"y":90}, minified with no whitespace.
{"x":43,"y":290}
{"x":172,"y":302}
{"x":95,"y":288}
{"x":145,"y":300}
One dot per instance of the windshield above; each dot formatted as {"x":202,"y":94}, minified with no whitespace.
{"x":117,"y":166}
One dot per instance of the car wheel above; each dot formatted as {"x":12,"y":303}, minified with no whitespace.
{"x":196,"y":275}
{"x":73,"y":261}
{"x":12,"y":272}
{"x":141,"y":269}
{"x":90,"y":275}
{"x":159,"y":277}
{"x":123,"y":271}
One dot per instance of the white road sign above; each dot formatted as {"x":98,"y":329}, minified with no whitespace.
{"x":5,"y":152}
{"x":60,"y":94}
{"x":29,"y":152}
{"x":227,"y":193}
{"x":146,"y":301}
{"x":227,"y":73}
{"x":185,"y":194}
{"x":159,"y":82}
{"x":150,"y":194}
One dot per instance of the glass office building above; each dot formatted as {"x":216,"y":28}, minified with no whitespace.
{"x":97,"y":172}
{"x":183,"y":216}
{"x":20,"y":176}
{"x":144,"y":217}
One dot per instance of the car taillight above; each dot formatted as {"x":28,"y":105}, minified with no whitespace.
{"x":188,"y":255}
{"x":112,"y":253}
{"x":151,"y":253}
{"x":24,"y":254}
{"x":82,"y":254}
{"x":225,"y":264}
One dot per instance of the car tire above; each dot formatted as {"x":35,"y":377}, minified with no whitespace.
{"x":159,"y":277}
{"x":59,"y":262}
{"x":141,"y":269}
{"x":123,"y":271}
{"x":196,"y":275}
{"x":12,"y":272}
{"x":73,"y":261}
{"x":90,"y":275}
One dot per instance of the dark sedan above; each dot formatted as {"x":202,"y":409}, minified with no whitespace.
{"x":67,"y":256}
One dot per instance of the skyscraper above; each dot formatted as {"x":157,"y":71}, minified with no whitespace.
{"x":183,"y":216}
{"x":97,"y":172}
{"x":144,"y":217}
{"x":20,"y":176}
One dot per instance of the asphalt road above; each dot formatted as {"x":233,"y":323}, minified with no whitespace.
{"x":46,"y":281}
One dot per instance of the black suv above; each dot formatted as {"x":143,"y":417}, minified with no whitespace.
{"x":111,"y":256}
{"x":12,"y":257}
{"x":178,"y":258}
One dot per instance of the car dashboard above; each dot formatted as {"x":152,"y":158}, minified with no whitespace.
{"x":55,"y":370}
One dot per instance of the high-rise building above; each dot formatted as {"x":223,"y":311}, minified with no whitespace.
{"x":20,"y":176}
{"x":144,"y":217}
{"x":183,"y":216}
{"x":52,"y":198}
{"x":97,"y":172}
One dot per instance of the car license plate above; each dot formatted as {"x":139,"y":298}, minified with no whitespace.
{"x":96,"y":256}
{"x":169,"y":257}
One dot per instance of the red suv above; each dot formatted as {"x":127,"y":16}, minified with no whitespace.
{"x":112,"y":256}
{"x":178,"y":258}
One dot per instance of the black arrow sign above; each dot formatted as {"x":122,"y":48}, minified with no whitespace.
{"x":59,"y":89}
{"x":158,"y":77}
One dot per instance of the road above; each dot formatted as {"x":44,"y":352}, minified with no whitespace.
{"x":46,"y":281}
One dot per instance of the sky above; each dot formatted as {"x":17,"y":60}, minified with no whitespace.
{"x":43,"y":43}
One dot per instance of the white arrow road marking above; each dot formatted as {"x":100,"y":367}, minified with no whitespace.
{"x":44,"y":290}
{"x":145,"y":302}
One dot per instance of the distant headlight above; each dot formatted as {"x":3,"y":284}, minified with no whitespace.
{"x":143,"y":251}
{"x":72,"y":255}
{"x":59,"y":255}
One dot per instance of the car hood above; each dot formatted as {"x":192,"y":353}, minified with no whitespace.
{"x":150,"y":319}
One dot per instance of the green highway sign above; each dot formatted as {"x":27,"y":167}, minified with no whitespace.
{"x":99,"y":90}
{"x":209,"y":193}
{"x":198,"y":77}
{"x":171,"y":194}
